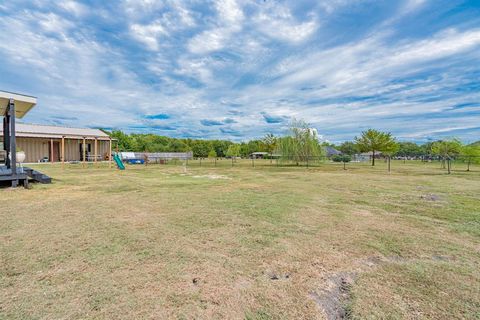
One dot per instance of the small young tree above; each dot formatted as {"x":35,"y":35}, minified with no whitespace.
{"x":471,"y":154}
{"x":212,"y":154}
{"x":447,"y":149}
{"x":270,"y":144}
{"x":389,"y":150}
{"x":342,"y":158}
{"x":375,"y":141}
{"x":233,"y":151}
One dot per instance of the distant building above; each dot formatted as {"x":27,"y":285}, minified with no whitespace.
{"x":259,"y":155}
{"x":367,"y":156}
{"x":156,"y":156}
{"x":331,"y":151}
{"x":263,"y":155}
{"x":49,"y":143}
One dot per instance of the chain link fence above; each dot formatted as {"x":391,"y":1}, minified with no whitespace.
{"x":449,"y":164}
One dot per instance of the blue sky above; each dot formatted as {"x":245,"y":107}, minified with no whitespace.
{"x":241,"y":69}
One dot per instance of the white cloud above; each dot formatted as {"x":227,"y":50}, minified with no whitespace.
{"x":412,"y":5}
{"x":74,"y":7}
{"x":229,"y":21}
{"x":371,"y":60}
{"x":229,"y":11}
{"x":51,"y":22}
{"x":171,"y":19}
{"x":277,"y":22}
{"x":148,"y":34}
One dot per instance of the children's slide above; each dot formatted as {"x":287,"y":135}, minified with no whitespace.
{"x":119,"y":162}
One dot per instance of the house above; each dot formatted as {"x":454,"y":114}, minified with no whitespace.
{"x":42,"y":143}
{"x":331,"y":151}
{"x":263,"y":155}
{"x":367,"y":156}
{"x":259,"y":155}
{"x":13,"y":106}
{"x":154,"y":157}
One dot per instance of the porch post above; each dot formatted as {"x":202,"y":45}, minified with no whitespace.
{"x":84,"y":152}
{"x":63,"y":152}
{"x":6,"y":136}
{"x":51,"y":150}
{"x":95,"y":147}
{"x":13,"y":142}
{"x":110,"y":154}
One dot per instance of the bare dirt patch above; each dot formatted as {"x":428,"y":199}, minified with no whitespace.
{"x":334,"y":299}
{"x":212,"y":177}
{"x":431,"y":197}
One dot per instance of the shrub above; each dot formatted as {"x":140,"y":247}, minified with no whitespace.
{"x":341,"y":158}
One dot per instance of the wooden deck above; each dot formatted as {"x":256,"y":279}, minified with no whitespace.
{"x":4,"y":171}
{"x":23,"y":175}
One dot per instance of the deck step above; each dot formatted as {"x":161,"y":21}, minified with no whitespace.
{"x":38,"y":176}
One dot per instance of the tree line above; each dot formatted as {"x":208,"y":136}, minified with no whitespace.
{"x":302,"y":144}
{"x":201,"y":148}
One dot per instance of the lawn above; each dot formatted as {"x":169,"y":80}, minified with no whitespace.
{"x":219,"y":242}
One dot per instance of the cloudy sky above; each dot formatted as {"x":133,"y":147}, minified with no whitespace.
{"x":239,"y":69}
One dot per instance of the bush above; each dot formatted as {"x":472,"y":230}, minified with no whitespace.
{"x":341,"y":158}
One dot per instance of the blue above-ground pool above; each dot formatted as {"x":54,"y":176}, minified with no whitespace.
{"x":135,"y":161}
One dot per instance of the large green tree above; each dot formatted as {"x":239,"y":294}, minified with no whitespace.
{"x":348,"y":148}
{"x":409,"y":149}
{"x":375,"y":141}
{"x":201,"y":148}
{"x":301,"y":144}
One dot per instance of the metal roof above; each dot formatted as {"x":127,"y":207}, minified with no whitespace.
{"x":43,"y":131}
{"x":23,"y":103}
{"x":331,"y":151}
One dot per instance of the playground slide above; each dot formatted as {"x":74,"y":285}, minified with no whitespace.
{"x":119,"y":162}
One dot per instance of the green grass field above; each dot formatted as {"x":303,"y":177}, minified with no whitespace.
{"x":267,"y":242}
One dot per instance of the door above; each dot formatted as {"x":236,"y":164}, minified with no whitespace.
{"x":88,"y":150}
{"x":56,"y":151}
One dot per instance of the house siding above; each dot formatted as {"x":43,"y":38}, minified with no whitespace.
{"x":37,"y":148}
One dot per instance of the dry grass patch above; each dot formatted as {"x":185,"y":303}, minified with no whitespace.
{"x":242,"y":242}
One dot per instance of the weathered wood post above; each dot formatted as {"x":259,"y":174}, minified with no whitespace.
{"x":110,"y":154}
{"x":84,"y":152}
{"x":13,"y":142}
{"x":51,"y":150}
{"x":95,"y":152}
{"x":63,"y":152}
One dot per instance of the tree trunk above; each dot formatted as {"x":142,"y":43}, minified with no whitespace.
{"x":373,"y":158}
{"x":468,"y":164}
{"x":448,"y":165}
{"x":389,"y":168}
